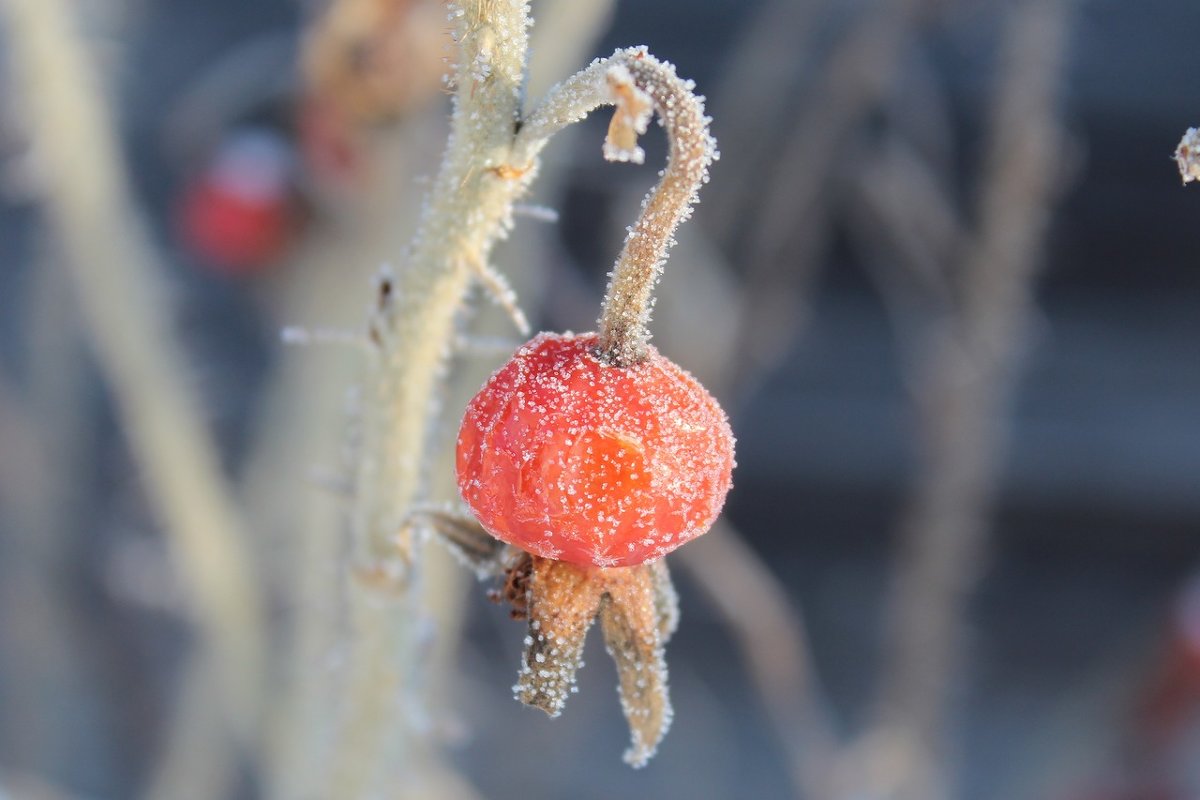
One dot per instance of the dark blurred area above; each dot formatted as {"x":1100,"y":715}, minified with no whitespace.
{"x":833,"y":279}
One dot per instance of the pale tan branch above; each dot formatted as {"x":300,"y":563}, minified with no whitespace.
{"x":128,"y":321}
{"x":412,"y":325}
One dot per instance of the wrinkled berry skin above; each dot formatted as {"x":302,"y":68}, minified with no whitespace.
{"x":573,"y":460}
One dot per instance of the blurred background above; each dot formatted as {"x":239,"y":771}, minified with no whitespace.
{"x":944,"y":280}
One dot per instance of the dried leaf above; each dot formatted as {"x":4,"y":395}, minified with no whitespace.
{"x":633,"y":619}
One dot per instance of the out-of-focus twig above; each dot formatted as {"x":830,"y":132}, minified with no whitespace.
{"x":127,"y":318}
{"x":771,"y":636}
{"x":910,"y":233}
{"x":857,"y":74}
{"x":966,"y":391}
{"x":197,"y":760}
{"x":563,"y":38}
{"x":777,"y":42}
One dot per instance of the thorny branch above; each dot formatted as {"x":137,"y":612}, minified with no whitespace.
{"x":413,"y":319}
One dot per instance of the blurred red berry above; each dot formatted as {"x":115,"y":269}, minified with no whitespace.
{"x":573,"y":460}
{"x":238,"y":214}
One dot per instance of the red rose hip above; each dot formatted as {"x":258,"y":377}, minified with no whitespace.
{"x":573,"y":460}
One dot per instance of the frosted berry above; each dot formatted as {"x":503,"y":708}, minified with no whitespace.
{"x":573,"y":460}
{"x":239,"y":213}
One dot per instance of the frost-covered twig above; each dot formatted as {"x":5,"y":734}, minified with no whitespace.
{"x":637,"y":84}
{"x":295,"y":439}
{"x":411,"y":324}
{"x":128,"y":323}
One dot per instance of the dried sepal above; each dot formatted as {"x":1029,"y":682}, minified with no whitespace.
{"x":638,"y":612}
{"x":666,"y":600}
{"x":631,"y":620}
{"x":563,"y":602}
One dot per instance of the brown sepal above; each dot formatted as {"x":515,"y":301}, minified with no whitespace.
{"x":638,"y":613}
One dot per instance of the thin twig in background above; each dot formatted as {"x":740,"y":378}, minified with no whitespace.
{"x":565,"y":35}
{"x":782,"y":256}
{"x":755,"y":607}
{"x":965,"y":397}
{"x":45,"y":444}
{"x":781,"y":41}
{"x":910,"y":234}
{"x":127,"y":318}
{"x":196,"y":761}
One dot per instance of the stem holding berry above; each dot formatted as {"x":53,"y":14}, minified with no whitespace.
{"x":636,"y":83}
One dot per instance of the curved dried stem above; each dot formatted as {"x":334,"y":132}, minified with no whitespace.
{"x":636,"y":83}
